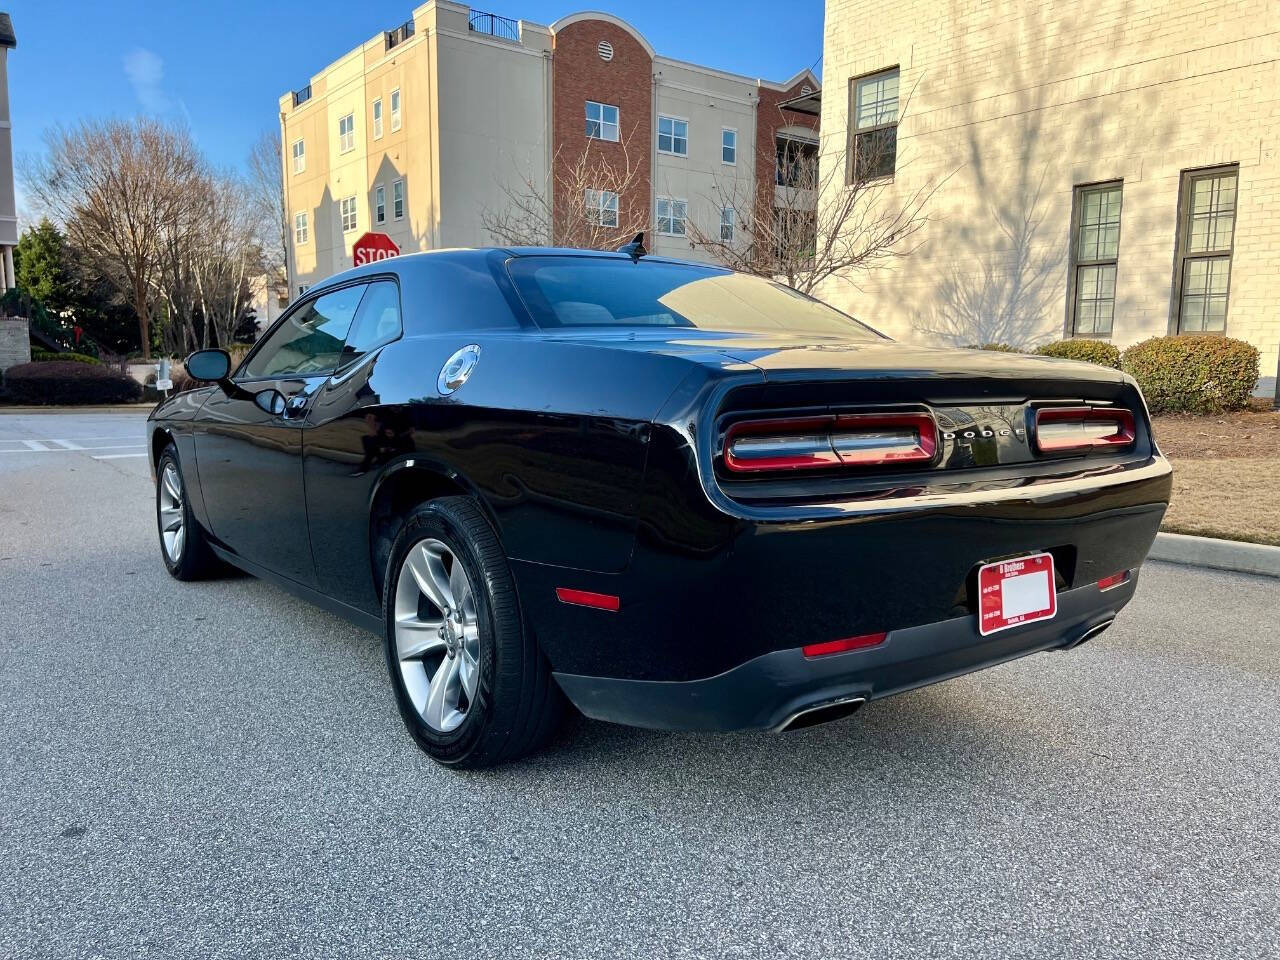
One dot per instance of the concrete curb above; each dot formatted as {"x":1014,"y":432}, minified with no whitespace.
{"x":87,"y":408}
{"x":1232,"y":555}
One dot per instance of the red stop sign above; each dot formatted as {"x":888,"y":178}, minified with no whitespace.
{"x":373,"y":246}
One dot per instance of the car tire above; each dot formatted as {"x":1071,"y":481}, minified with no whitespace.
{"x":503,"y":702}
{"x":183,"y":545}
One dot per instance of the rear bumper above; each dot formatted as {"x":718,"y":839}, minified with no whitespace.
{"x":767,"y":691}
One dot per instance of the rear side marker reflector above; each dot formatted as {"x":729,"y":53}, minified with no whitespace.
{"x":843,"y":646}
{"x":1062,"y":429}
{"x":584,"y":598}
{"x":851,"y":440}
{"x":1106,"y":583}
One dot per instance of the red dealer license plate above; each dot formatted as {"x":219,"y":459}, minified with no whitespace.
{"x":1014,"y":592}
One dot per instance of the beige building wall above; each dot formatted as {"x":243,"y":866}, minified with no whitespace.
{"x":1009,"y":106}
{"x":710,"y":101}
{"x":473,"y":119}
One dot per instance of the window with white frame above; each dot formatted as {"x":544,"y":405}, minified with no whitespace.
{"x":873,"y":150}
{"x":602,"y":121}
{"x":377,"y":119}
{"x":602,"y":207}
{"x":673,"y":136}
{"x":727,"y":220}
{"x":347,"y":133}
{"x":347,"y":208}
{"x":395,"y":110}
{"x":379,"y":204}
{"x":1206,"y":240}
{"x":301,"y":229}
{"x":299,"y":156}
{"x":729,"y":146}
{"x":672,"y":215}
{"x":397,"y":200}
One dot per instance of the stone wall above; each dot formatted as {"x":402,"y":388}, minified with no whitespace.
{"x":15,"y":343}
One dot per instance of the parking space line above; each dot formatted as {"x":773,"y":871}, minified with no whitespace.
{"x":66,"y":444}
{"x":117,"y":456}
{"x":35,"y":445}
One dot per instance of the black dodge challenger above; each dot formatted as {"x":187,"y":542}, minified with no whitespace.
{"x":675,"y":495}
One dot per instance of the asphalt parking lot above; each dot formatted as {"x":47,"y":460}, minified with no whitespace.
{"x":218,"y":770}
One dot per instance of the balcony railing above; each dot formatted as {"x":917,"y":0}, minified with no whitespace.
{"x":495,"y":26}
{"x":400,"y":34}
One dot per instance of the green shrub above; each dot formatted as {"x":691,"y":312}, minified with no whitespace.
{"x":998,"y":347}
{"x":68,"y":382}
{"x":1193,"y":374}
{"x":45,"y":356}
{"x":1090,"y":351}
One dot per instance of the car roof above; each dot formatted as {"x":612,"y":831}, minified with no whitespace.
{"x":406,"y":263}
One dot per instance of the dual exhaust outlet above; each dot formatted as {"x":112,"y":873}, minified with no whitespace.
{"x":841,"y":707}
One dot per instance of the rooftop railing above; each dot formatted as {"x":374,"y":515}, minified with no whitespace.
{"x":494,"y":26}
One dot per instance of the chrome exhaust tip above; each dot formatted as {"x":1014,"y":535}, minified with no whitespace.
{"x":1088,"y":634}
{"x":824,"y":712}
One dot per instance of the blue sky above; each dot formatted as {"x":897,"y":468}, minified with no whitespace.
{"x":119,"y":57}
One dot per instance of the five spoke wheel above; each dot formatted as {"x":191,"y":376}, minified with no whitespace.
{"x":437,"y":634}
{"x":172,"y":526}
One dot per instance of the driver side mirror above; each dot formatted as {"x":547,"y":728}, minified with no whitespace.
{"x":209,"y":365}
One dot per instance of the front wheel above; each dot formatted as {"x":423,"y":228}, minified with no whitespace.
{"x":183,"y":547}
{"x":471,"y":684}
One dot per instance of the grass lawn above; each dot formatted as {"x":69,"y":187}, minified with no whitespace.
{"x":1226,"y":474}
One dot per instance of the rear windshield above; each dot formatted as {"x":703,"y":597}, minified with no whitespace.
{"x":589,"y":292}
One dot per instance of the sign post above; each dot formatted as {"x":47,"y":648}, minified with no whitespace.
{"x":372,"y":247}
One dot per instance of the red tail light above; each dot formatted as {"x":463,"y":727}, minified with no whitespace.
{"x":851,"y":440}
{"x":1062,"y":429}
{"x":842,"y":646}
{"x":1106,"y":583}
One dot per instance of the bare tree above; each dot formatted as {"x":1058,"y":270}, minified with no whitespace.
{"x":811,"y":224}
{"x":265,"y":190}
{"x":205,"y":259}
{"x":590,"y":202}
{"x":116,"y":186}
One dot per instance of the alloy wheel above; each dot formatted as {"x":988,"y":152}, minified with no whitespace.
{"x":172,"y":523}
{"x":437,"y":635}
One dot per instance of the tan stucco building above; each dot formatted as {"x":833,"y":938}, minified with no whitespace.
{"x":8,"y":203}
{"x":420,"y":130}
{"x":1105,"y":168}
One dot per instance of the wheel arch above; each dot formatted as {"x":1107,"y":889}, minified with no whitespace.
{"x":402,"y":487}
{"x":161,"y":437}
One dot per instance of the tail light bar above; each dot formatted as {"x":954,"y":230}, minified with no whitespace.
{"x":1077,"y":429}
{"x":849,"y":440}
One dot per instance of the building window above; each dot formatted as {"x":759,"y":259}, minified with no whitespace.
{"x":874,"y":150}
{"x":347,"y":207}
{"x":347,"y":133}
{"x":302,"y":288}
{"x":602,"y":207}
{"x":395,"y":110}
{"x":797,"y":163}
{"x":727,"y":217}
{"x":397,"y":199}
{"x":379,"y":204}
{"x":672,"y":215}
{"x":301,"y":229}
{"x":729,"y":146}
{"x":1206,"y":235}
{"x":673,"y":136}
{"x":1095,"y":246}
{"x":377,"y":119}
{"x":299,"y":156}
{"x":602,"y":121}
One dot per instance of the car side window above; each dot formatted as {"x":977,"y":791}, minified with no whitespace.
{"x":309,"y":342}
{"x":377,"y":321}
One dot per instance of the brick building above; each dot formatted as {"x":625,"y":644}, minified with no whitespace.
{"x":1108,"y":168}
{"x":422,"y":129}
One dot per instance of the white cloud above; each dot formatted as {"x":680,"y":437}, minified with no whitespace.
{"x":145,"y":70}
